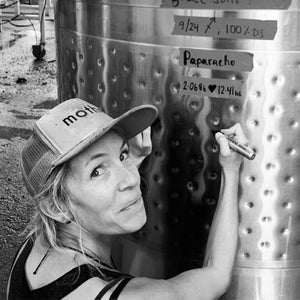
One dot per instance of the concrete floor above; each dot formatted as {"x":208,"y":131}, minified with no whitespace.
{"x":27,"y":89}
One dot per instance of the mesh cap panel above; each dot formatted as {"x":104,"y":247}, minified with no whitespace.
{"x":37,"y":161}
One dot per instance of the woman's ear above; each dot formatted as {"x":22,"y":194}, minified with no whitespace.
{"x":55,"y":212}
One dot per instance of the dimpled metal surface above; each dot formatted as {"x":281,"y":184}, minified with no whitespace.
{"x":119,"y":54}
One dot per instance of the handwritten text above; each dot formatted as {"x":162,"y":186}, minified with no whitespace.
{"x":216,"y":59}
{"x":230,"y":28}
{"x":217,"y":88}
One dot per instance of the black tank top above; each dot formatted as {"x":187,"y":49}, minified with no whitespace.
{"x":18,"y":289}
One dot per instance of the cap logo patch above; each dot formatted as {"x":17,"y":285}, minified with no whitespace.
{"x":81,"y":113}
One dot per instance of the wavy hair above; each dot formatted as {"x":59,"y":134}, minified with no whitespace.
{"x":54,"y":209}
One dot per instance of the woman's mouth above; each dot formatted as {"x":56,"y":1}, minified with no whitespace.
{"x":135,"y":202}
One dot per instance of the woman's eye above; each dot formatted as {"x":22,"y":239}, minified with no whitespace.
{"x":124,"y":155}
{"x":97,"y":172}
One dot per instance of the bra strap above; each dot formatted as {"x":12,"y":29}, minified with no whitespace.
{"x":115,"y":294}
{"x":108,"y":287}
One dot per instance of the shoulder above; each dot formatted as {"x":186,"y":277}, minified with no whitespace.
{"x":136,"y":289}
{"x":147,"y":288}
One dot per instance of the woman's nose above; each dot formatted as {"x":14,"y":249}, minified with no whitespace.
{"x":128,"y":177}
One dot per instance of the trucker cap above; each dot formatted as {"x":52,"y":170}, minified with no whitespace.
{"x":69,"y":128}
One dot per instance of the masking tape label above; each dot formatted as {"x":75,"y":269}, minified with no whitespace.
{"x":230,"y":28}
{"x":227,"y":4}
{"x":216,"y":59}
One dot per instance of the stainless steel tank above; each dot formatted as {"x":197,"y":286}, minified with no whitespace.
{"x":119,"y":54}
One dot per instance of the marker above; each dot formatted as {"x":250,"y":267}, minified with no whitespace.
{"x":241,"y":149}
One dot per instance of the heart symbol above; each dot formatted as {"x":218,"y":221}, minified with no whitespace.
{"x":212,"y":87}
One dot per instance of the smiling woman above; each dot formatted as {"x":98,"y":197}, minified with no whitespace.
{"x":83,"y":176}
{"x":106,"y":176}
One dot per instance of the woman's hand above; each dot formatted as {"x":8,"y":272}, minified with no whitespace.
{"x":141,"y":146}
{"x":228,"y":158}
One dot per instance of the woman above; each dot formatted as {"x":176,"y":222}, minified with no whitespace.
{"x":80,"y":166}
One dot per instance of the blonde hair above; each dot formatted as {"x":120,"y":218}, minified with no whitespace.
{"x":54,"y":208}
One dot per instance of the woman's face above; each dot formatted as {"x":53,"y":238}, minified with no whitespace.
{"x":105,"y":188}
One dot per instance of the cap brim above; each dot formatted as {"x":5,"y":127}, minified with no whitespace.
{"x":130,"y":124}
